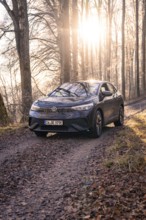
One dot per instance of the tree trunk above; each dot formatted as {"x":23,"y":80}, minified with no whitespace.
{"x":109,"y":32}
{"x":75,"y":38}
{"x":3,"y":113}
{"x":116,"y":58}
{"x":23,"y":51}
{"x":82,"y":50}
{"x":144,"y":46}
{"x":123,"y":50}
{"x":86,"y":44}
{"x":98,"y":5}
{"x":99,"y":43}
{"x":19,"y":17}
{"x":137,"y":49}
{"x":65,"y":41}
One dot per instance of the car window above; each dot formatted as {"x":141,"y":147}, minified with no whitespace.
{"x":80,"y":89}
{"x":93,"y":88}
{"x":111,"y":88}
{"x":104,"y":87}
{"x":70,"y":89}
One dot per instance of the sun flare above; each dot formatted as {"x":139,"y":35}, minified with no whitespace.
{"x":91,"y":30}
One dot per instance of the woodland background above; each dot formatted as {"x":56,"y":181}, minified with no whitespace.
{"x":45,"y":43}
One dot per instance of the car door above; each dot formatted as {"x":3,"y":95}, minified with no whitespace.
{"x":115,"y":100}
{"x":107,"y":103}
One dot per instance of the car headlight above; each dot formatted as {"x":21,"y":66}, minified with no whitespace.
{"x":83,"y":107}
{"x":35,"y":107}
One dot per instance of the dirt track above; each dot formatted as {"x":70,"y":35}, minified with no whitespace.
{"x":46,"y":178}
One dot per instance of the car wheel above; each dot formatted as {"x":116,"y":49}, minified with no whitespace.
{"x":41,"y":133}
{"x":120,"y":120}
{"x":98,"y":124}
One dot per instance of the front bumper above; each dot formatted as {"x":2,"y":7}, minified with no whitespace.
{"x":69,"y":125}
{"x":73,"y":121}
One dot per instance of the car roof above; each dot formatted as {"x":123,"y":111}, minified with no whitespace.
{"x":91,"y":81}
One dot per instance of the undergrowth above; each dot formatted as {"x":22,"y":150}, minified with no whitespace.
{"x":12,"y":128}
{"x":128,"y":151}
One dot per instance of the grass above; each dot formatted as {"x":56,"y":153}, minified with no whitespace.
{"x":128,"y":151}
{"x":11,"y":128}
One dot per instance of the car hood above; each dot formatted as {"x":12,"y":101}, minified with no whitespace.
{"x":63,"y":101}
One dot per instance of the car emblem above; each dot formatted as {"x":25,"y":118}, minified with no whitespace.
{"x":54,"y":109}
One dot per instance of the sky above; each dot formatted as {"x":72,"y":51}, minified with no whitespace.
{"x":2,"y":13}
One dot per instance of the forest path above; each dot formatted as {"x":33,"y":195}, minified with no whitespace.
{"x":40,"y":177}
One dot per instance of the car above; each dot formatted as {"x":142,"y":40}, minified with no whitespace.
{"x":82,"y":106}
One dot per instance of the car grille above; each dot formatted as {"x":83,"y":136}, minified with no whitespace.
{"x":54,"y":128}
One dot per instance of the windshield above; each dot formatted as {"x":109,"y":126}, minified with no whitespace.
{"x":79,"y":89}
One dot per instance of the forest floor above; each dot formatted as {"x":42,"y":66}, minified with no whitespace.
{"x":75,"y":177}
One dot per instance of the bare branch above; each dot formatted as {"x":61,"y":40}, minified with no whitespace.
{"x":37,"y":86}
{"x":10,"y":12}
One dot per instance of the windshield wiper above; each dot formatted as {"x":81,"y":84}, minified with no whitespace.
{"x":67,"y":91}
{"x":85,"y":88}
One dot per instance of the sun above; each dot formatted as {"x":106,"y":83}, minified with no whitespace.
{"x":91,"y":30}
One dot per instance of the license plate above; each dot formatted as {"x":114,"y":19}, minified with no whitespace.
{"x":53,"y":122}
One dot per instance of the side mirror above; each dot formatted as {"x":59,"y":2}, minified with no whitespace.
{"x":106,"y":93}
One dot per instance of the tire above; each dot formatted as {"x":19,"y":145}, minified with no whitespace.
{"x":120,"y":121}
{"x":98,"y":124}
{"x":41,"y":133}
